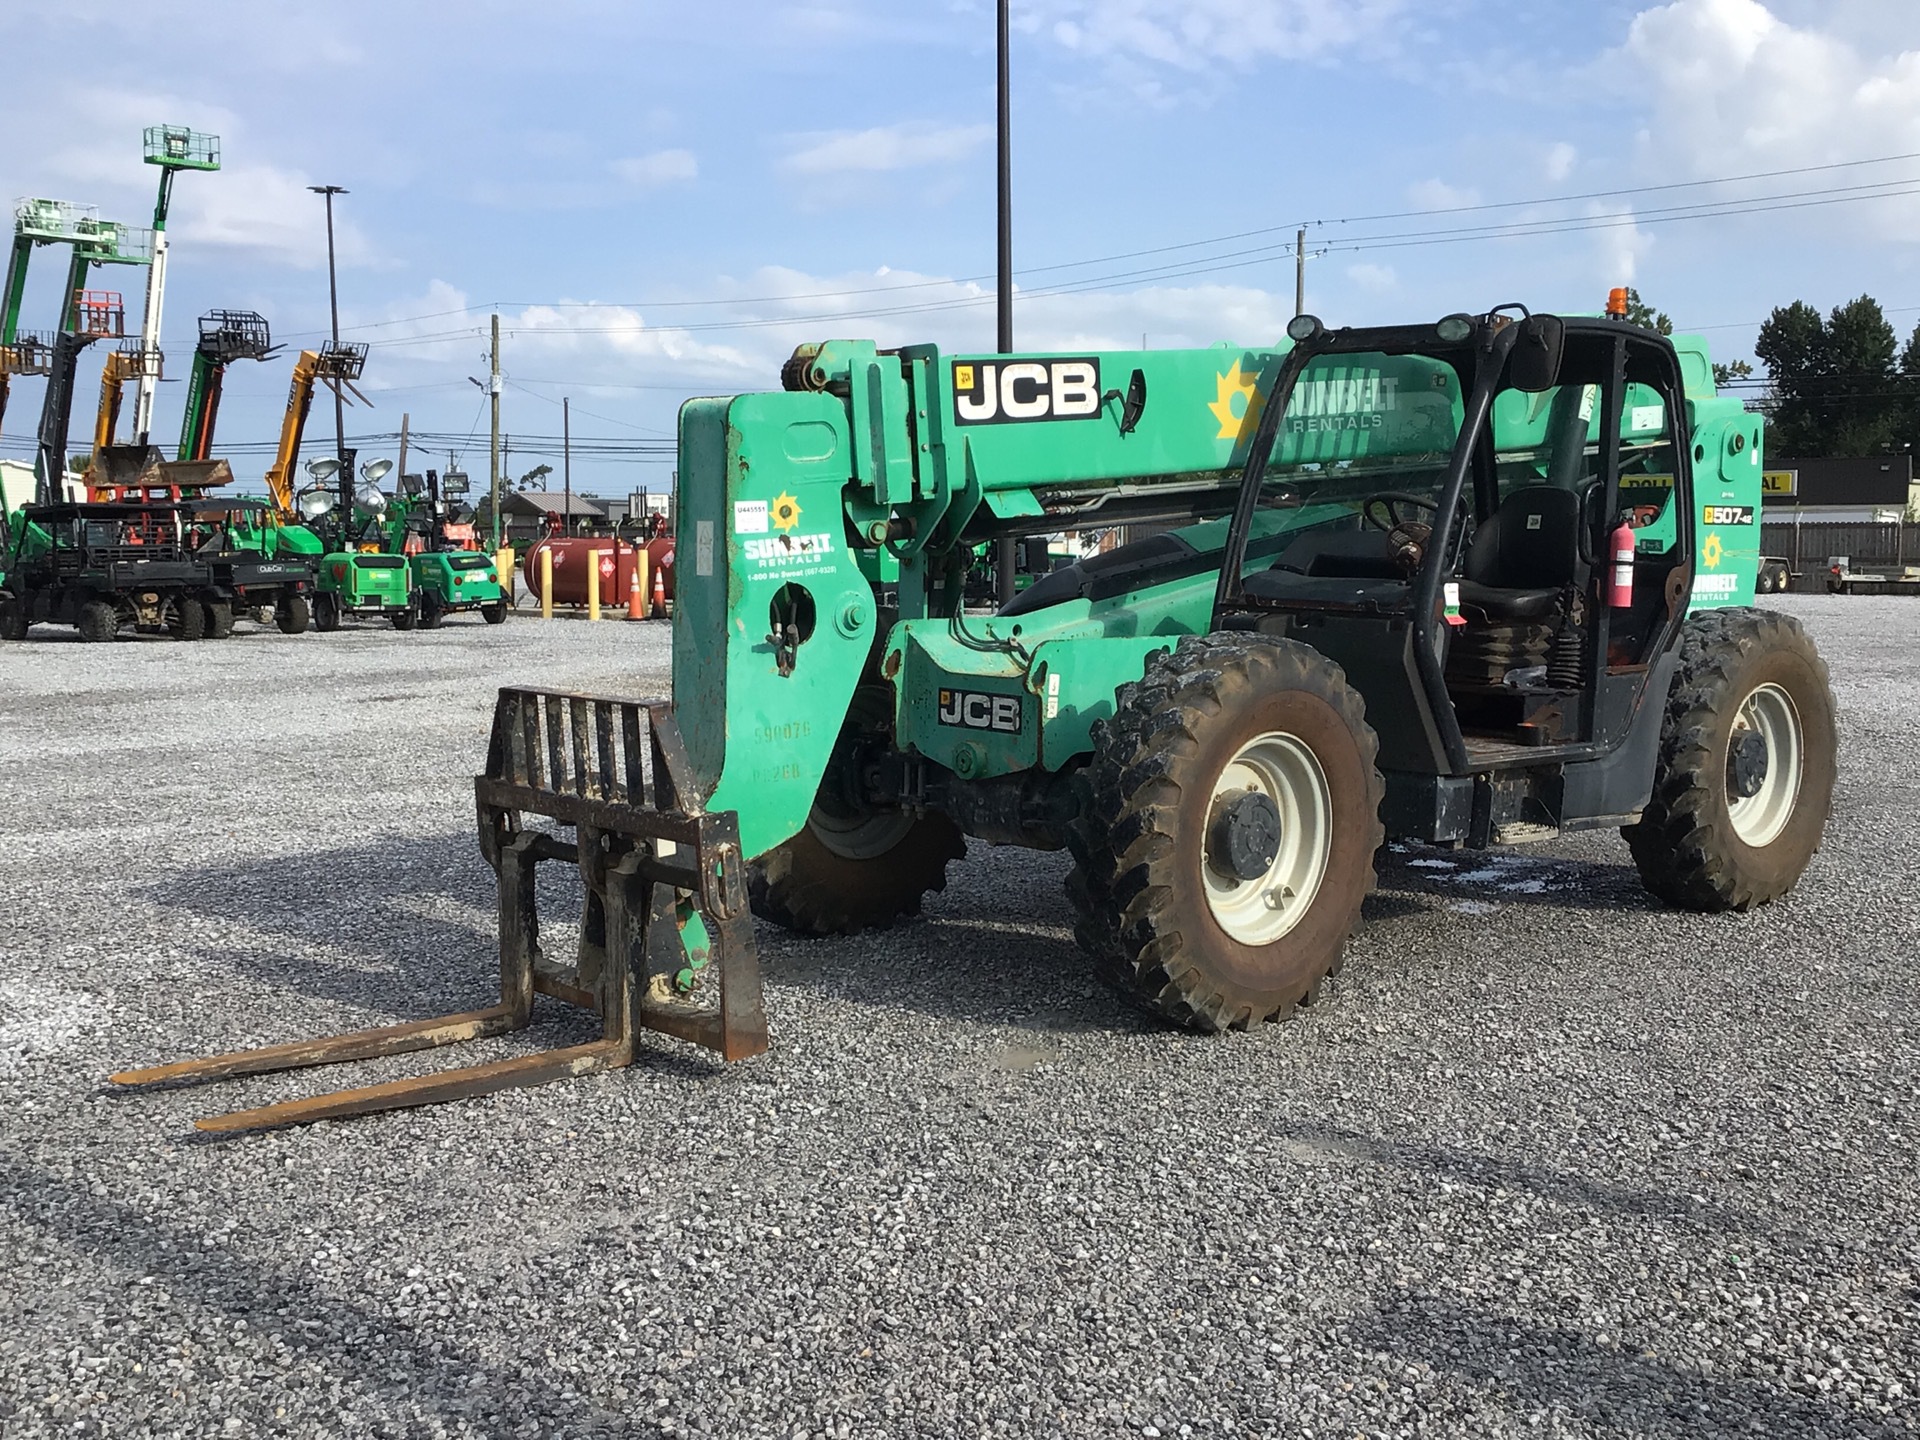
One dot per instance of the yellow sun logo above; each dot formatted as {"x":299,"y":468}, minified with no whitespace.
{"x":786,"y":512}
{"x":1246,"y":388}
{"x":1711,"y":552}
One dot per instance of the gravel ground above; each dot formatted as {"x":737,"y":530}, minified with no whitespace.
{"x":1547,"y":1159}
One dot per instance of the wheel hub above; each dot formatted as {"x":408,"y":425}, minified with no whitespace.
{"x":1746,"y":764}
{"x":1243,"y":834}
{"x":1268,"y":836}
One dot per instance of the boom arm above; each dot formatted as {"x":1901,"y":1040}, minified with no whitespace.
{"x":113,"y":383}
{"x":292,"y":426}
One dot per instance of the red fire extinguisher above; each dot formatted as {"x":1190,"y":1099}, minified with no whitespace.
{"x":1620,"y":592}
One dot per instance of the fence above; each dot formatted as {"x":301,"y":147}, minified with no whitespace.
{"x":1806,"y":547}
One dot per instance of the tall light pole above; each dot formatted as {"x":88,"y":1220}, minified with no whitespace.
{"x":1004,"y":551}
{"x":1006,"y":190}
{"x":333,"y":298}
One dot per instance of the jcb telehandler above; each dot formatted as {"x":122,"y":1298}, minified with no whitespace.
{"x":1468,"y":582}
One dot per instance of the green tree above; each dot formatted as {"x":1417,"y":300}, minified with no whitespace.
{"x":1725,"y":374}
{"x":1866,"y":405}
{"x":1641,"y":313}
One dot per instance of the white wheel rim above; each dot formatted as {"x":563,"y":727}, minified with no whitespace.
{"x":1261,"y":910}
{"x":1759,"y":818}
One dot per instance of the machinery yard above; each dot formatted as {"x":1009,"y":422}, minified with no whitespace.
{"x":1547,"y":1156}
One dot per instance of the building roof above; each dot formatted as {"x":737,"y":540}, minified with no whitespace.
{"x":552,"y":502}
{"x":1885,"y":480}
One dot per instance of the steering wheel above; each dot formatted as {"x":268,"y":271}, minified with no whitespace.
{"x":1382,"y":511}
{"x":1407,"y":537}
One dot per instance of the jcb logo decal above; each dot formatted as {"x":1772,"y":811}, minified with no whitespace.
{"x":1726,"y":515}
{"x":973,"y":710}
{"x":995,"y":392}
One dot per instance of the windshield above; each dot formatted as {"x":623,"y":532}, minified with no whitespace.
{"x":1359,"y":425}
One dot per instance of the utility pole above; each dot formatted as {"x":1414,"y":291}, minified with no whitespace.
{"x":1004,"y":551}
{"x":1300,"y":272}
{"x":493,"y":389}
{"x":402,"y":471}
{"x":566,"y":457}
{"x":333,"y":300}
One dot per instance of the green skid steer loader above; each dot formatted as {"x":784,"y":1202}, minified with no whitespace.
{"x":1471,"y":582}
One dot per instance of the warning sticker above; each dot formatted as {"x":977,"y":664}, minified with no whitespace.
{"x":750,"y":517}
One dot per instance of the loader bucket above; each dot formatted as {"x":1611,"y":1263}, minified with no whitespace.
{"x":664,"y":923}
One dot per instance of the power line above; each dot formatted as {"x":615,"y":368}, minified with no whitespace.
{"x":1279,"y":250}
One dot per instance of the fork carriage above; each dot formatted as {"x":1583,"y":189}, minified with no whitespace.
{"x":651,"y":859}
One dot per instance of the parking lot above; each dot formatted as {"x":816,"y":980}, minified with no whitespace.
{"x":1546,"y":1159}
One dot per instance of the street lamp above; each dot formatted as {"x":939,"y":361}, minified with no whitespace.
{"x":333,"y":298}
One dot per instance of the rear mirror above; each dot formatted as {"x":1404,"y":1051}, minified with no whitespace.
{"x":1534,"y":363}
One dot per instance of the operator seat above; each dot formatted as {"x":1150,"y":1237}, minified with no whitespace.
{"x":1524,"y":556}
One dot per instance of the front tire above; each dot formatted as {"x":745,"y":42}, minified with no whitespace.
{"x":219,"y":619}
{"x":839,"y":879}
{"x":1228,"y":842}
{"x":494,"y":613}
{"x":1748,"y":753}
{"x":430,"y":613}
{"x":13,"y":618}
{"x":97,"y":622}
{"x":405,"y":619}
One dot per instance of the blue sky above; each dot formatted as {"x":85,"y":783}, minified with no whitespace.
{"x":663,"y":199}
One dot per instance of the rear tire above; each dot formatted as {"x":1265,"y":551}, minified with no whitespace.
{"x":430,"y":613}
{"x":405,"y":619}
{"x":1748,"y":752}
{"x":97,"y":622}
{"x":292,"y":615}
{"x":851,"y":881}
{"x":219,"y":619}
{"x":13,"y":618}
{"x":326,"y":614}
{"x":187,"y":618}
{"x":494,"y":613}
{"x":1229,"y":837}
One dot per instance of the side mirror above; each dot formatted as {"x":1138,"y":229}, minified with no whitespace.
{"x":1534,"y":363}
{"x":1135,"y":404}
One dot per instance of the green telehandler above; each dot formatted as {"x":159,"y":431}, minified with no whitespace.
{"x":1468,"y":582}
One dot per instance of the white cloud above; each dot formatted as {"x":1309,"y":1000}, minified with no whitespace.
{"x":269,"y":213}
{"x":662,"y":167}
{"x":1559,"y":162}
{"x":1438,"y":195}
{"x":1377,"y":279}
{"x":1195,"y":35}
{"x":1737,"y":89}
{"x":885,"y":147}
{"x":1618,"y":248}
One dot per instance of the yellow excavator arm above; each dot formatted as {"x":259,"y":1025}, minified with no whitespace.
{"x":292,"y":426}
{"x":113,"y":382}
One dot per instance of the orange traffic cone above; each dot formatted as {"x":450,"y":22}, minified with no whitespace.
{"x":660,"y":593}
{"x":636,"y":600}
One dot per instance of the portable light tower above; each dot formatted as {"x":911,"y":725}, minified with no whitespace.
{"x":173,"y":148}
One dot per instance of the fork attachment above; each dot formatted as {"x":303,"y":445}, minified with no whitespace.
{"x":665,"y":916}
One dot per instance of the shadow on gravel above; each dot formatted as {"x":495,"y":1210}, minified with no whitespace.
{"x":963,"y":967}
{"x":1624,"y":1390}
{"x":1332,"y":1144}
{"x":358,"y":1344}
{"x":368,"y":925}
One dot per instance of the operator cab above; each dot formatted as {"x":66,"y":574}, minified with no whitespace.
{"x":1445,"y":497}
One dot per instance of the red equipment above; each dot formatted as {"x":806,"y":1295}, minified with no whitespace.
{"x":1620,"y":588}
